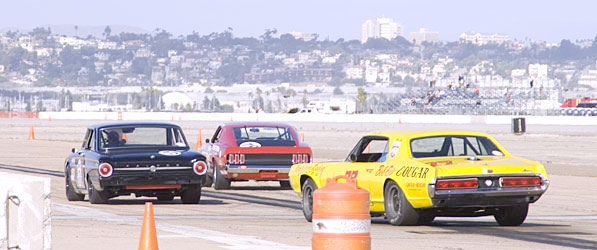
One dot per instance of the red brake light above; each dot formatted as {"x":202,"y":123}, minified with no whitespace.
{"x":105,"y":170}
{"x":236,"y":158}
{"x":200,"y":168}
{"x":520,"y":181}
{"x":230,"y":159}
{"x":456,"y":183}
{"x":294,"y":159}
{"x":305,"y":158}
{"x":242,"y":158}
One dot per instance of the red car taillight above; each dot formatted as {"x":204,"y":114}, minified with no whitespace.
{"x":200,"y":168}
{"x":105,"y":169}
{"x":456,"y":183}
{"x":300,"y":158}
{"x":236,"y":158}
{"x":520,"y":181}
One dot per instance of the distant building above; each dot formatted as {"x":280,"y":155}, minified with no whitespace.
{"x":424,"y":36}
{"x":381,"y":28}
{"x":482,"y":39}
{"x":588,"y":78}
{"x":371,"y":74}
{"x":538,"y":71}
{"x":518,"y":73}
{"x":355,"y":72}
{"x":303,"y":36}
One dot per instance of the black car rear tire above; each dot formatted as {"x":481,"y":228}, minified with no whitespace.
{"x":95,"y":196}
{"x":191,"y":194}
{"x":221,"y":182}
{"x":285,"y":184}
{"x":399,"y":211}
{"x":511,"y":216}
{"x":209,"y":180}
{"x":308,"y":189}
{"x":71,"y":194}
{"x":165,"y":197}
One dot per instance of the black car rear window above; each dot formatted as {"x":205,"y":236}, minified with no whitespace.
{"x":141,"y":136}
{"x":263,"y":136}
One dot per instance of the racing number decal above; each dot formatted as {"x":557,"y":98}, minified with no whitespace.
{"x":352,"y":174}
{"x":395,"y":148}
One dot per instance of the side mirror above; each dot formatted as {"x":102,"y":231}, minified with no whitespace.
{"x":353,"y":157}
{"x":207,"y":140}
{"x":73,"y":150}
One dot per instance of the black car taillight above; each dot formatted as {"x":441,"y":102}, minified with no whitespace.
{"x":105,"y":169}
{"x":200,"y":168}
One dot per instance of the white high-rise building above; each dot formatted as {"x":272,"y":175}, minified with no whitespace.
{"x":381,"y":28}
{"x":424,"y":36}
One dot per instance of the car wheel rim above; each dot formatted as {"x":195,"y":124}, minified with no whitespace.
{"x":309,"y":198}
{"x":395,"y":200}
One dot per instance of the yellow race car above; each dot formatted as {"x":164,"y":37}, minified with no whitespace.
{"x":414,"y":176}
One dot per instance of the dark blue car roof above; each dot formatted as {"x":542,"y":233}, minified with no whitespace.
{"x":133,"y":124}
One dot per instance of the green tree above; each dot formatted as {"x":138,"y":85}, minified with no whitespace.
{"x":361,"y":95}
{"x":107,"y":32}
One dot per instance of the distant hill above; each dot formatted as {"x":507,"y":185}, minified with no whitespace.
{"x":83,"y":30}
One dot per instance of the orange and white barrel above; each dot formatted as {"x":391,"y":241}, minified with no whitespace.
{"x":341,"y":218}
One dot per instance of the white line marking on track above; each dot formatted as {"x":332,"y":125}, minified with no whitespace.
{"x":231,"y":241}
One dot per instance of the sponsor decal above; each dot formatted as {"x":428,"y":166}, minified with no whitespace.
{"x":384,"y":171}
{"x":169,"y":153}
{"x":395,"y":148}
{"x":412,"y":172}
{"x":250,"y":144}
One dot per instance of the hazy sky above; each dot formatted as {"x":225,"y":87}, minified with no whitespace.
{"x":550,"y":20}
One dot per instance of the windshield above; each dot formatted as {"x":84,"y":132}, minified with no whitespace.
{"x":141,"y":137}
{"x":453,"y":145}
{"x":263,"y":136}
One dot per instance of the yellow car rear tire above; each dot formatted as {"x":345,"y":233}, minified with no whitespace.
{"x":399,"y":211}
{"x":308,"y":189}
{"x":512,"y":216}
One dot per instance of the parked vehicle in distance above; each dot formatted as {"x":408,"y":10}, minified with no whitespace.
{"x":141,"y":158}
{"x":262,"y":151}
{"x":414,"y":176}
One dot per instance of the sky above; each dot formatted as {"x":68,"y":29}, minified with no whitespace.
{"x":546,"y":20}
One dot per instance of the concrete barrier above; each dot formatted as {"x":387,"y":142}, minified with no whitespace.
{"x":25,"y":212}
{"x":284,"y":117}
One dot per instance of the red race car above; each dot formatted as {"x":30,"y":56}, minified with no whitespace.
{"x":262,"y":151}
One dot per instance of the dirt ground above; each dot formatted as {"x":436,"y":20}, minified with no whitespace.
{"x":262,"y":216}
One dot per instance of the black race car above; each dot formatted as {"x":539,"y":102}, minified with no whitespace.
{"x":147,"y":159}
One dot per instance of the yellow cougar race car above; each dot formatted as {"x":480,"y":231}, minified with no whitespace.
{"x":414,"y":176}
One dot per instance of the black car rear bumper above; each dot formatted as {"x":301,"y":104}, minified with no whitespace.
{"x":122,"y":180}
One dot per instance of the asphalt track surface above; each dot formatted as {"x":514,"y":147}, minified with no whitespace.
{"x":261,"y":215}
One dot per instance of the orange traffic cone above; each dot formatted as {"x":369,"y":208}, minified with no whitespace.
{"x":199,"y":142}
{"x":49,"y":118}
{"x":149,"y":239}
{"x":302,"y":137}
{"x":124,"y":138}
{"x":31,"y":133}
{"x":399,"y":121}
{"x":231,"y":119}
